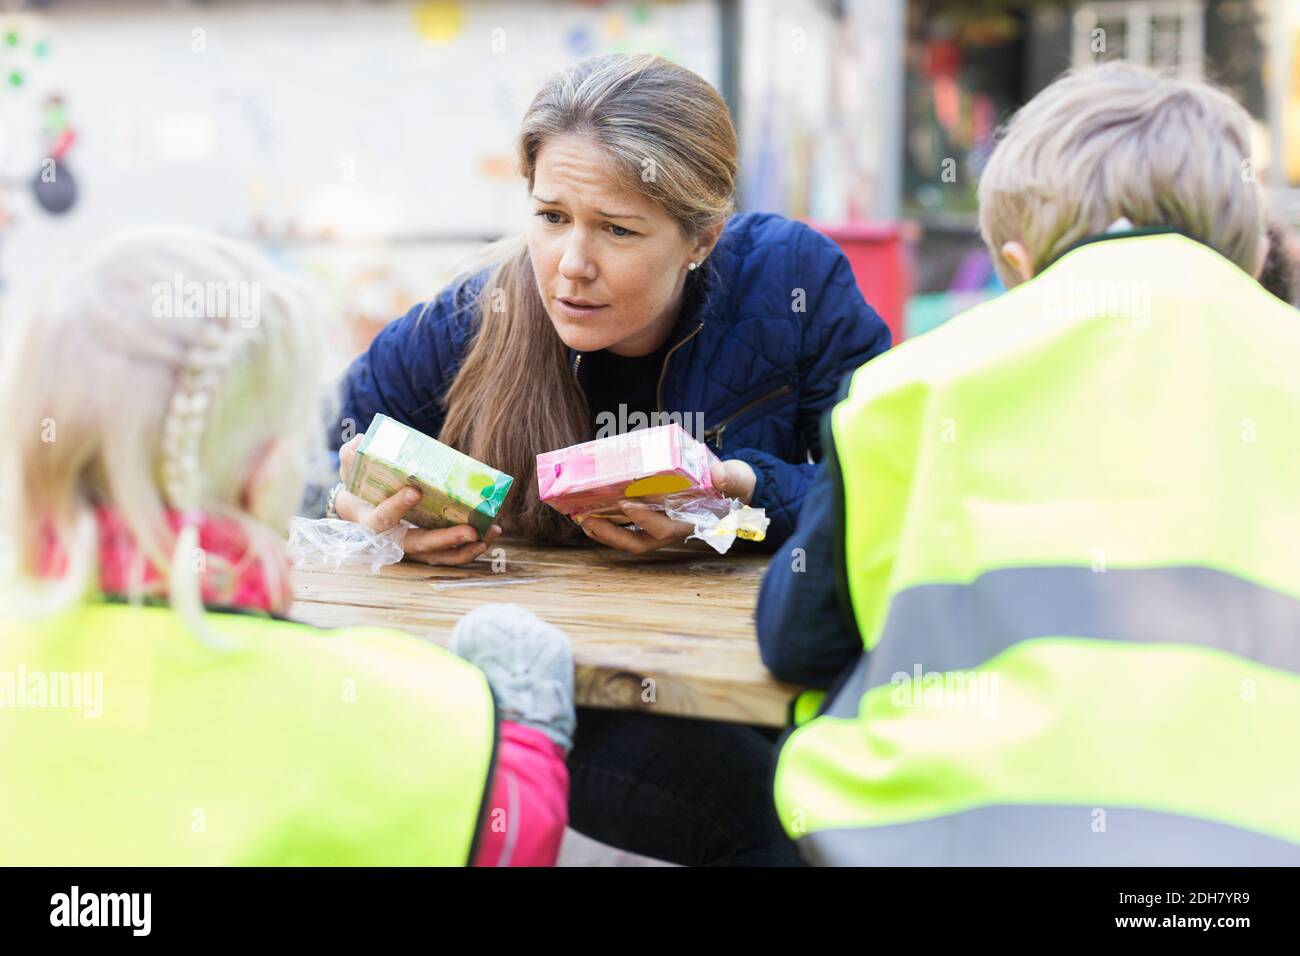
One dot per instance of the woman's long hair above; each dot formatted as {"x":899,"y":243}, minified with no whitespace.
{"x":515,"y":395}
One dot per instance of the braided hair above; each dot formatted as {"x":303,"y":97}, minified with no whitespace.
{"x":124,"y":393}
{"x":198,"y":384}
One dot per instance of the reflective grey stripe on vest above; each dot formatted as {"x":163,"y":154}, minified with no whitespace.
{"x":957,"y":627}
{"x":1050,"y":836}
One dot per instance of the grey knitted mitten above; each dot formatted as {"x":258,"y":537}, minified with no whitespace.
{"x":527,"y":662}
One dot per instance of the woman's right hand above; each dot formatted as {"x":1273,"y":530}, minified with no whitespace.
{"x":456,"y":545}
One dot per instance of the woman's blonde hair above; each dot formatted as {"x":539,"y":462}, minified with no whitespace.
{"x":164,"y":366}
{"x":1122,"y":141}
{"x":670,"y":135}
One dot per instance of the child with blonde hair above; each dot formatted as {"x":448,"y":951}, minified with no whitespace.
{"x":1048,"y":590}
{"x":155,"y":705}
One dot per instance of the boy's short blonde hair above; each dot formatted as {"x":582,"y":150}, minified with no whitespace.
{"x":1119,"y":140}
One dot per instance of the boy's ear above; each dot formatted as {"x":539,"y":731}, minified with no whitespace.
{"x":1015,"y":255}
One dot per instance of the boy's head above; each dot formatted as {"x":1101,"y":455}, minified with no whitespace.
{"x":172,"y":370}
{"x":1120,"y":141}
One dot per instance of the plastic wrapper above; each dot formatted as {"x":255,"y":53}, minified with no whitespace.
{"x":718,"y":521}
{"x":664,"y":468}
{"x":334,"y":543}
{"x":456,"y":489}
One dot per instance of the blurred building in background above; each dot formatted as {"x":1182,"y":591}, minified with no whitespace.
{"x":971,"y":63}
{"x":369,"y":144}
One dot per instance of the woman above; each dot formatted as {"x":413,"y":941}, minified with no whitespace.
{"x":633,"y":292}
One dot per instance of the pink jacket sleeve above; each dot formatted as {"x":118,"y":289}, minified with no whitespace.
{"x":529,"y":805}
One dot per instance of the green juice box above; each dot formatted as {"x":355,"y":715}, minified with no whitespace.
{"x":457,"y":489}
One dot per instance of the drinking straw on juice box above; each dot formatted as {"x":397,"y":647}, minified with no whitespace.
{"x":456,"y":488}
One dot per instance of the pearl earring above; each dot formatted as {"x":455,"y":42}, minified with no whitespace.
{"x":692,"y":266}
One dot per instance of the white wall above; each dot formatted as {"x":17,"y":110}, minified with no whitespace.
{"x":380,"y":128}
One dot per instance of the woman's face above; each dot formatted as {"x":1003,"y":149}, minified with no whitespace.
{"x":610,"y":263}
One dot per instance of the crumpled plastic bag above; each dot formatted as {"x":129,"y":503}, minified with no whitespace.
{"x":718,"y":521}
{"x":335,"y":543}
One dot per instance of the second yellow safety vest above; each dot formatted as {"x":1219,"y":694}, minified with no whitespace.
{"x":1071,"y":544}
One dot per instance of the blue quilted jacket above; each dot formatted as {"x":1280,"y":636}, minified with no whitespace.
{"x":760,"y":352}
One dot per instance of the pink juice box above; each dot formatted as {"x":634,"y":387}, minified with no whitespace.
{"x":591,"y":478}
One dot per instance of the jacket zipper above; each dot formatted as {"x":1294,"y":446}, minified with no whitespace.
{"x":659,"y":388}
{"x":716,"y":431}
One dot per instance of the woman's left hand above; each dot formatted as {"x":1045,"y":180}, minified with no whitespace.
{"x":733,"y":478}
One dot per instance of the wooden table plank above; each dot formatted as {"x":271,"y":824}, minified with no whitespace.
{"x":669,"y":633}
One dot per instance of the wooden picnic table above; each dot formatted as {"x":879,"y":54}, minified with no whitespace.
{"x":668,"y":633}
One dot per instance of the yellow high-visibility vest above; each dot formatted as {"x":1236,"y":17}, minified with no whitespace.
{"x":1071,"y":544}
{"x":124,"y":741}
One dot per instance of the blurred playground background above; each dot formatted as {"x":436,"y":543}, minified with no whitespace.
{"x":369,"y":144}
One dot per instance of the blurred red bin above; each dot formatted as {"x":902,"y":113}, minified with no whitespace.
{"x":878,"y":255}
